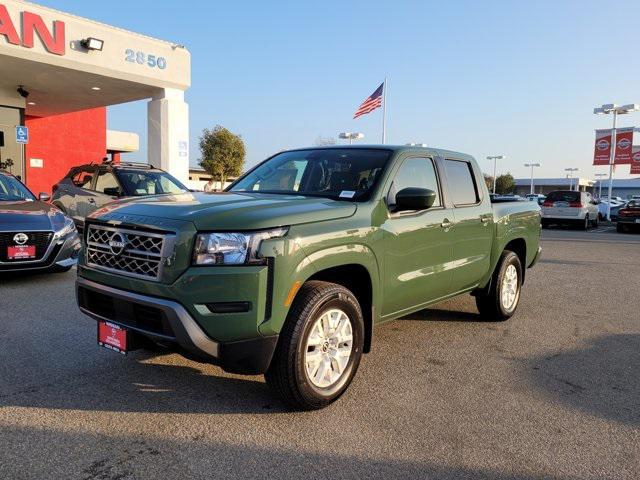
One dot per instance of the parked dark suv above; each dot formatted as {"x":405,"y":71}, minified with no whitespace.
{"x":88,"y":187}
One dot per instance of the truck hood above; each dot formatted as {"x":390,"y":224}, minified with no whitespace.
{"x":231,"y":211}
{"x":30,"y":215}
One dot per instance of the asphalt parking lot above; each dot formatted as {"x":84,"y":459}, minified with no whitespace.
{"x":554,"y":393}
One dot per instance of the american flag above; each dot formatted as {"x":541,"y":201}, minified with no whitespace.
{"x":372,"y":102}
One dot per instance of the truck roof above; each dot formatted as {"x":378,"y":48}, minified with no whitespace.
{"x":396,"y":148}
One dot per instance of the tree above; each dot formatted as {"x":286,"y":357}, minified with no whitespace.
{"x":488,"y":181}
{"x":222,"y":152}
{"x":505,"y":184}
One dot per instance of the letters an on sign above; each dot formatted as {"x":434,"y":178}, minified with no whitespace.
{"x":32,"y":24}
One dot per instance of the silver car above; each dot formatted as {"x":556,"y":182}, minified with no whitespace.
{"x":34,"y":235}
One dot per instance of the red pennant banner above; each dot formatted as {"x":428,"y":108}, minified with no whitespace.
{"x":635,"y":160}
{"x":624,"y":144}
{"x":602,"y":149}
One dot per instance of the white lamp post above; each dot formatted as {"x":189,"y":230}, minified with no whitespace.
{"x":615,"y":110}
{"x":495,"y":159}
{"x":532,"y":165}
{"x":599,"y":177}
{"x":351,"y":136}
{"x":571,"y":170}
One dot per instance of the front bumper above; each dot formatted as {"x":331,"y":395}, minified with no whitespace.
{"x":628,"y":220}
{"x":61,"y":253}
{"x":167,"y":321}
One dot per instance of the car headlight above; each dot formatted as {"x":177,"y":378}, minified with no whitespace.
{"x":232,"y":248}
{"x":68,"y":227}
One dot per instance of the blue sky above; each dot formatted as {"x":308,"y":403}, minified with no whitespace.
{"x":515,"y":78}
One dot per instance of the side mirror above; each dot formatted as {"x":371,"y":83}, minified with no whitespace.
{"x":112,"y":191}
{"x":414,"y":198}
{"x":44,"y":197}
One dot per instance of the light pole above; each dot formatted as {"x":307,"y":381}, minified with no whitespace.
{"x":351,"y":136}
{"x":606,"y":109}
{"x":571,"y":170}
{"x":599,"y":176}
{"x":495,"y":159}
{"x":532,"y":165}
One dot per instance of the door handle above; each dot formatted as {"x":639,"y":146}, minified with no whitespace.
{"x":446,"y":223}
{"x":91,"y":200}
{"x":485,"y":219}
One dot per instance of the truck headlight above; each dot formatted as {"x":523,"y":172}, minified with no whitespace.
{"x":232,"y":248}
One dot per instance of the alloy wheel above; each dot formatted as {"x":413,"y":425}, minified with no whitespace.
{"x":329,"y":348}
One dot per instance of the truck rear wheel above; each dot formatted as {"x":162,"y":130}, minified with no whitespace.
{"x":319,"y":348}
{"x":501,"y":300}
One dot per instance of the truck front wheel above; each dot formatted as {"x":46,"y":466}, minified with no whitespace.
{"x":319,"y":348}
{"x":501,"y":300}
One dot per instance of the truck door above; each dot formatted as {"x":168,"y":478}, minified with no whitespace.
{"x":418,"y":250}
{"x":472,"y":233}
{"x":75,"y":197}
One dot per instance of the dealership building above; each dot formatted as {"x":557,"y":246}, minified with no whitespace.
{"x":60,"y":72}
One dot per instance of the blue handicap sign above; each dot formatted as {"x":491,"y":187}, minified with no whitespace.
{"x":22,"y":134}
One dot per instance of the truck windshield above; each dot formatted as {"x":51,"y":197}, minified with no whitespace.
{"x":138,"y":182}
{"x":11,"y":190}
{"x":338,"y":173}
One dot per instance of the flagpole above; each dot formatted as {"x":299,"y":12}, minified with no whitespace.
{"x":384,"y":111}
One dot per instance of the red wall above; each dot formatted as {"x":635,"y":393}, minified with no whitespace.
{"x":63,"y":141}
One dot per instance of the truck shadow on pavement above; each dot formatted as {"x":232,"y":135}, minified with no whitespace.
{"x":600,"y":378}
{"x":100,"y":456}
{"x":441,"y":315}
{"x":147,"y":383}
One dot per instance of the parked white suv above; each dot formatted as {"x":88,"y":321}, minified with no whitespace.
{"x":570,"y":207}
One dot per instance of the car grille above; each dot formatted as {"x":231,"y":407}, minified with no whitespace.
{"x":41,"y":240}
{"x":127,"y":252}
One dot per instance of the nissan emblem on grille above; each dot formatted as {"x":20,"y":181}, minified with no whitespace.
{"x":117,"y":243}
{"x":20,"y":238}
{"x":127,"y":252}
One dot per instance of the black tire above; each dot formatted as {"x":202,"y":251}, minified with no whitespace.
{"x":287,"y":374}
{"x":60,"y":207}
{"x":620,"y":228}
{"x":489,"y":302}
{"x":585,"y":225}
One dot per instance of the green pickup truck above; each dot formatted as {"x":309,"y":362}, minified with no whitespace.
{"x":287,"y":272}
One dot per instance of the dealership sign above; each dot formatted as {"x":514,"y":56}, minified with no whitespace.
{"x":635,"y":160}
{"x":602,"y":150}
{"x":53,"y":39}
{"x":624,"y":142}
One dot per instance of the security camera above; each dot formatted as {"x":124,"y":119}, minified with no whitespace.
{"x":23,"y":93}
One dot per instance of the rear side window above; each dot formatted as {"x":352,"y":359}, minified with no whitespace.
{"x":415,"y":172}
{"x":563,"y":196}
{"x":461,"y":182}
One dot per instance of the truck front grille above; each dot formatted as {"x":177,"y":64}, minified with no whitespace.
{"x":127,"y":252}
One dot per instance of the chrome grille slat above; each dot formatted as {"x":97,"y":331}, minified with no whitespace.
{"x":142,"y":256}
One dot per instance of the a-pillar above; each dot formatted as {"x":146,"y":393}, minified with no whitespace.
{"x":168,"y":133}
